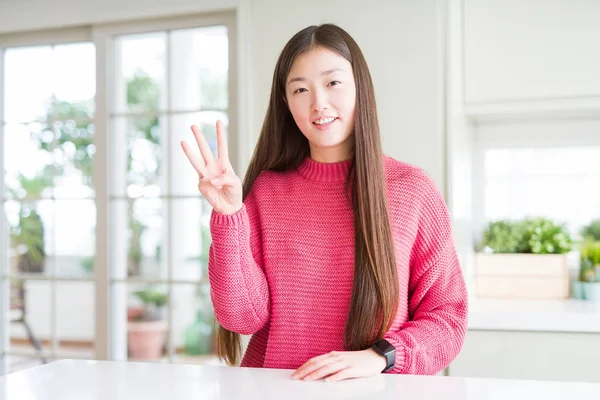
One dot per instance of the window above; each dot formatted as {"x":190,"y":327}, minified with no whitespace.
{"x":48,"y":203}
{"x":163,"y":78}
{"x":105,"y":228}
{"x":559,"y":183}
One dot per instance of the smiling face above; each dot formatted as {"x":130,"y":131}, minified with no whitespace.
{"x":321,"y":95}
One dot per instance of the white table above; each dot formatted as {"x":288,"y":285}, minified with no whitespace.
{"x":106,"y":380}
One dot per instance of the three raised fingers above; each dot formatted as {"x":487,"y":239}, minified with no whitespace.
{"x":196,"y":161}
{"x":202,"y":145}
{"x":200,"y":163}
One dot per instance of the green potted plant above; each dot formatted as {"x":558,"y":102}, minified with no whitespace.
{"x":503,"y":236}
{"x":146,"y":326}
{"x":588,"y":286}
{"x":524,"y":259}
{"x":544,"y":236}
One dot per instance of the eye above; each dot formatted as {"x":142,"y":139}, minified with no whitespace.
{"x":301,"y":90}
{"x":334,"y":83}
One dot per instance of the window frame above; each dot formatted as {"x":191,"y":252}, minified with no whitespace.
{"x":102,"y":36}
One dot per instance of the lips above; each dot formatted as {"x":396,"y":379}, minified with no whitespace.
{"x":324,"y":123}
{"x":323,"y":120}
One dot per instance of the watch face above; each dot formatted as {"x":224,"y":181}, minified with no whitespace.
{"x":384,"y":346}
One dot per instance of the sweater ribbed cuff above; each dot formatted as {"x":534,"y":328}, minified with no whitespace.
{"x":401,"y":356}
{"x":235,"y":219}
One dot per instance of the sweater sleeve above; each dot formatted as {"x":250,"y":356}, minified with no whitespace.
{"x":238,"y":285}
{"x":437,"y":296}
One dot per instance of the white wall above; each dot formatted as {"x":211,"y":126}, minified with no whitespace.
{"x":31,"y":15}
{"x":531,"y":49}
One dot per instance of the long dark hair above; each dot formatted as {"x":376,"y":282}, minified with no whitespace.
{"x":281,"y":146}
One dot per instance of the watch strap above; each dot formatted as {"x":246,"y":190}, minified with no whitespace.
{"x":385,"y":348}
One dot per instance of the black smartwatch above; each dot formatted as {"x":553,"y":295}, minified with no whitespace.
{"x":384,"y":348}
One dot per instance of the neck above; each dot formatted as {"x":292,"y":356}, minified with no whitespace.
{"x":330,"y":155}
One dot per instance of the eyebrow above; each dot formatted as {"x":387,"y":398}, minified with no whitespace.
{"x":300,"y":78}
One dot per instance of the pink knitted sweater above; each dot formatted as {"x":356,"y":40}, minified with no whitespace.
{"x":281,"y":268}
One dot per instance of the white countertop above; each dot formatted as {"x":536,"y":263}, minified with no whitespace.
{"x":108,"y":380}
{"x":535,"y":315}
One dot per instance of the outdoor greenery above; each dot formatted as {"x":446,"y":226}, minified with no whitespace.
{"x":67,"y":133}
{"x":27,"y":237}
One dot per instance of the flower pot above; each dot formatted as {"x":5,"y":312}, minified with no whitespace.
{"x":578,"y":291}
{"x":592,"y":291}
{"x":522,"y":276}
{"x":146,"y":339}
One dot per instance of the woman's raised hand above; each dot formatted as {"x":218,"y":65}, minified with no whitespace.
{"x":217,"y":181}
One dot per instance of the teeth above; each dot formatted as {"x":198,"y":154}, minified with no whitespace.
{"x":324,"y":121}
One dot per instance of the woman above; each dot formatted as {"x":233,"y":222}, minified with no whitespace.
{"x":338,"y":260}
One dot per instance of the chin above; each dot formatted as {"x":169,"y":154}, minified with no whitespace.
{"x":328,"y":138}
{"x":326,"y":142}
{"x":327,"y":145}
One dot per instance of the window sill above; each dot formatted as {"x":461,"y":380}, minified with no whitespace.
{"x":534,"y":315}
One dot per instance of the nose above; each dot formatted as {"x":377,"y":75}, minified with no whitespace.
{"x":319,"y":100}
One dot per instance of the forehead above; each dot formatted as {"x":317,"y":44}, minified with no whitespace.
{"x":315,"y":61}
